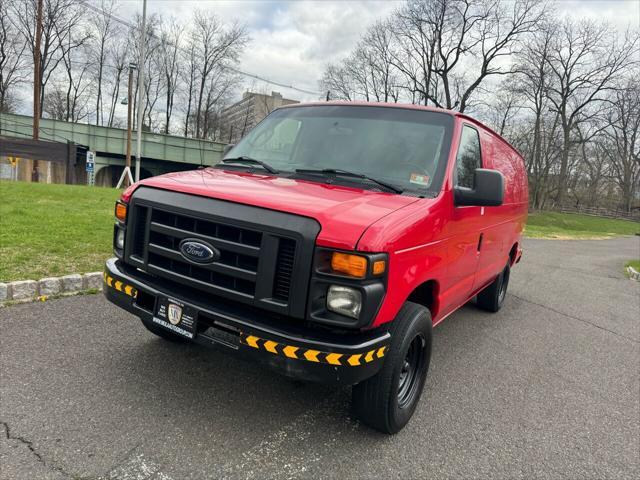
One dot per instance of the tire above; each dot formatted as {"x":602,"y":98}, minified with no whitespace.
{"x":492,"y":297}
{"x":387,"y":400}
{"x":164,"y":334}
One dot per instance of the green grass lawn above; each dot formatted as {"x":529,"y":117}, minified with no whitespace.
{"x":575,"y":226}
{"x":53,"y":230}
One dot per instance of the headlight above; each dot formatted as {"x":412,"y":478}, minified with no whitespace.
{"x":120,"y":239}
{"x":344,"y":300}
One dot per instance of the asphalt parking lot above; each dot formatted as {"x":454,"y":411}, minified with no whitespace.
{"x":547,"y":388}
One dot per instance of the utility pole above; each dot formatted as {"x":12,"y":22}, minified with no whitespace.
{"x":36,"y":87}
{"x":37,"y":73}
{"x":143,"y":42}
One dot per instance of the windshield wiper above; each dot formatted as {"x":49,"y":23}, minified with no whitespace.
{"x":251,"y":161}
{"x":347,"y":173}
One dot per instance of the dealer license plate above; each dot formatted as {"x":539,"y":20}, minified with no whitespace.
{"x":176,"y":317}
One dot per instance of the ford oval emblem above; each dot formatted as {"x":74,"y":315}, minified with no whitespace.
{"x":198,"y":251}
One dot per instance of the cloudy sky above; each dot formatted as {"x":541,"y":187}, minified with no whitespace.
{"x":292,"y":41}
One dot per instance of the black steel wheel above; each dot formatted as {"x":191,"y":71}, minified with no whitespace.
{"x":412,"y":367}
{"x":387,"y":400}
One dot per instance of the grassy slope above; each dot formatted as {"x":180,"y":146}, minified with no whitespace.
{"x":52,"y":230}
{"x":570,"y":225}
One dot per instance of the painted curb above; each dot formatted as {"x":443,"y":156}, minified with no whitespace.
{"x":30,"y":290}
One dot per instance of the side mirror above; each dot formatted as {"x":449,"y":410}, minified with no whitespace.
{"x":227,"y":148}
{"x":487,"y":191}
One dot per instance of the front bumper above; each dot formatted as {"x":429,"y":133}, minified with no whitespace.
{"x":282,"y":344}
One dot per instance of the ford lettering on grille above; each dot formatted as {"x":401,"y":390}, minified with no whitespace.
{"x":198,"y":252}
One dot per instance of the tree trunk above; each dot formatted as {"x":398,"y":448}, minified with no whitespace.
{"x":114,"y":97}
{"x":564,"y":163}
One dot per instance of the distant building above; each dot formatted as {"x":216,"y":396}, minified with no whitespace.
{"x":238,"y":119}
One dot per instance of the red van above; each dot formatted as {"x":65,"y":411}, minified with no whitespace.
{"x":327,"y":244}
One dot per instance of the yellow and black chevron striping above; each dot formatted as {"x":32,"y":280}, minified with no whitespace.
{"x":119,"y":286}
{"x":310,"y":355}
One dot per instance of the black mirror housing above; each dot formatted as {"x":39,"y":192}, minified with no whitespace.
{"x":227,"y":148}
{"x":487,"y":191}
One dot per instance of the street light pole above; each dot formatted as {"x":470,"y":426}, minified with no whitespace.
{"x":128,"y":162}
{"x":126,"y":178}
{"x":141,"y":88}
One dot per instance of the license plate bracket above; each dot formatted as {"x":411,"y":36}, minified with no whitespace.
{"x":176,"y":316}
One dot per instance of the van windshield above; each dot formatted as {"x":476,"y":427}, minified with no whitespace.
{"x":401,"y":147}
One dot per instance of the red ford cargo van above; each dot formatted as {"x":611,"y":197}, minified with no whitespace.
{"x":327,"y":244}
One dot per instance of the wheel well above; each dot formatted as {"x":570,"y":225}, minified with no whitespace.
{"x":426,"y":294}
{"x":513,"y":253}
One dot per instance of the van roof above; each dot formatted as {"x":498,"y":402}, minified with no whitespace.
{"x":408,"y":106}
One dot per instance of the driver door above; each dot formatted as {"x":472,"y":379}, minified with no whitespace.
{"x":465,"y":225}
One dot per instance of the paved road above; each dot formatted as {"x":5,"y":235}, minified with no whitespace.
{"x":547,"y":388}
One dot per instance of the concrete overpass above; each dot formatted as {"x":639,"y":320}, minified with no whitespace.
{"x":160,"y":153}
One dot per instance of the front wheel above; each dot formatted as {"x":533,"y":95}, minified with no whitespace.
{"x":387,"y":400}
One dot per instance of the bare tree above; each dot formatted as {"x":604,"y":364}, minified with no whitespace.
{"x":416,"y":58}
{"x":503,"y":110}
{"x":623,"y":140}
{"x":74,"y":39}
{"x":368,"y":72}
{"x":189,"y":78}
{"x":154,"y":86}
{"x":171,"y":63}
{"x":337,"y":80}
{"x":448,"y":48}
{"x":215,"y":46}
{"x":13,"y":68}
{"x":116,"y":54}
{"x":104,"y":28}
{"x":585,"y":59}
{"x":378,"y":50}
{"x":532,"y":84}
{"x":60,"y":18}
{"x":55,"y":103}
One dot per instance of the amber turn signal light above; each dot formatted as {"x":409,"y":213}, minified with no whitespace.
{"x":379,"y":267}
{"x":121,"y":211}
{"x":353,"y":265}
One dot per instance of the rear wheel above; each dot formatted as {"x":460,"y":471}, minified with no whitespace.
{"x":492,"y":297}
{"x":387,"y":400}
{"x":164,"y":334}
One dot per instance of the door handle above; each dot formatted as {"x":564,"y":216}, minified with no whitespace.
{"x":480,"y":242}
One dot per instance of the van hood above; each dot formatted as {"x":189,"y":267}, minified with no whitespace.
{"x":344,"y":213}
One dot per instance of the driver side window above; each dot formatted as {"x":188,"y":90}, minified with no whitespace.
{"x":468,"y":158}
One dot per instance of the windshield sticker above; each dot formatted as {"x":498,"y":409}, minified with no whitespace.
{"x":420,"y":179}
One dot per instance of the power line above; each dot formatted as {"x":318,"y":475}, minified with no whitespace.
{"x":98,"y":9}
